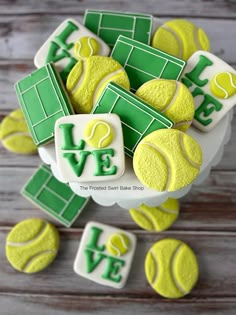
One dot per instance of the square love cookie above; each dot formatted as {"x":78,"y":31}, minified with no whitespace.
{"x":68,"y":43}
{"x":89,"y":147}
{"x":43,"y":100}
{"x":105,"y":254}
{"x":212,"y":83}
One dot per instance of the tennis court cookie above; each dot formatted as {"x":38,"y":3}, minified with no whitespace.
{"x":157,"y":218}
{"x":89,"y":77}
{"x":170,"y":97}
{"x":105,"y":255}
{"x":15,"y":135}
{"x":167,"y":160}
{"x":89,"y":147}
{"x":137,"y":117}
{"x":143,"y":62}
{"x":32,"y":245}
{"x":180,"y":38}
{"x":53,"y":197}
{"x":108,"y":25}
{"x":212,"y":83}
{"x":43,"y":100}
{"x":171,"y":268}
{"x":70,"y":42}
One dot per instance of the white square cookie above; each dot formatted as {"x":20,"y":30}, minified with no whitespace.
{"x":105,"y":254}
{"x":68,"y":43}
{"x":89,"y":147}
{"x":212,"y":83}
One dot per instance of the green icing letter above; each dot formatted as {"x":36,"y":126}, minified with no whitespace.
{"x":93,"y":241}
{"x":91,"y":261}
{"x":68,"y":143}
{"x":198,"y":69}
{"x":62,"y":37}
{"x":205,"y":110}
{"x":77,"y":166}
{"x":53,"y":54}
{"x":101,"y":163}
{"x":113,"y":268}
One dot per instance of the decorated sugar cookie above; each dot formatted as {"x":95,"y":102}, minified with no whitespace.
{"x":43,"y":100}
{"x":70,"y":42}
{"x":54,"y":197}
{"x":212,"y":83}
{"x":89,"y":77}
{"x":105,"y":254}
{"x":109,"y":25}
{"x":89,"y":147}
{"x":137,"y":117}
{"x":143,"y":62}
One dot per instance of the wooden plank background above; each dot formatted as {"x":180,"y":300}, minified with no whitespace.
{"x":208,"y":213}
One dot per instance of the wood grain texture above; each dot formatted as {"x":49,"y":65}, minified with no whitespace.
{"x":207,"y":219}
{"x":181,"y":8}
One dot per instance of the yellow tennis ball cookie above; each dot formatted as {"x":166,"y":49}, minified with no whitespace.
{"x":118,"y":244}
{"x":180,"y":38}
{"x":157,"y":218}
{"x":86,"y":47}
{"x":88,"y":79}
{"x":223,"y":85}
{"x":32,"y":245}
{"x":98,"y":133}
{"x":167,"y":160}
{"x":15,"y":134}
{"x":171,"y":268}
{"x":170,"y":97}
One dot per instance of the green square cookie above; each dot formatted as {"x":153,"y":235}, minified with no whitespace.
{"x":43,"y":100}
{"x":143,"y":63}
{"x":138,"y":119}
{"x":109,"y":25}
{"x":54,"y":197}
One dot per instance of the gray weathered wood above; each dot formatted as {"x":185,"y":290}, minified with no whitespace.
{"x":179,"y":8}
{"x":33,"y":30}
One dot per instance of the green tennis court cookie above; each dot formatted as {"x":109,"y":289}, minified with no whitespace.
{"x":15,"y":135}
{"x":167,"y":160}
{"x":32,"y":245}
{"x":157,"y":218}
{"x":171,"y":268}
{"x":170,"y":97}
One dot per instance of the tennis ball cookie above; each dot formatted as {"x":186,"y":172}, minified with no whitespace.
{"x":180,"y":38}
{"x":171,"y":98}
{"x":157,"y":218}
{"x":32,"y":245}
{"x":98,"y":133}
{"x":86,"y":47}
{"x":15,"y":134}
{"x":223,"y":85}
{"x":167,"y":160}
{"x":88,"y":79}
{"x":118,"y":244}
{"x":171,"y":268}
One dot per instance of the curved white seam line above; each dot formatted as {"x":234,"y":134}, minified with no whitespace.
{"x":123,"y":241}
{"x":178,"y":286}
{"x":194,"y":164}
{"x":90,"y":46}
{"x":167,"y":210}
{"x":177,"y":38}
{"x":115,"y":248}
{"x":146,"y":216}
{"x":184,"y":122}
{"x":19,"y":133}
{"x":77,"y":49}
{"x":18,"y":244}
{"x":36,"y":256}
{"x":77,"y":85}
{"x":221,"y":88}
{"x":165,"y":158}
{"x":177,"y":87}
{"x":106,"y":78}
{"x":104,"y":137}
{"x":156,"y":265}
{"x":196,"y":40}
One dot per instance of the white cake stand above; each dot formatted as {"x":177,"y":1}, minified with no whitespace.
{"x":127,"y":191}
